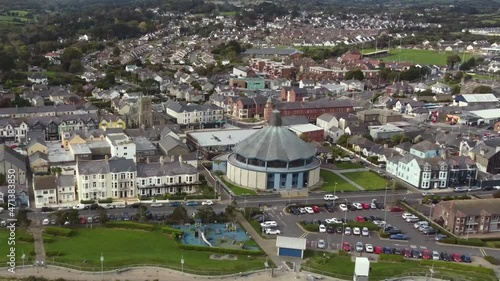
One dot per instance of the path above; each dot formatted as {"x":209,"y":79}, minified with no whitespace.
{"x":39,"y":247}
{"x":345,"y":178}
{"x":146,"y":273}
{"x":267,"y":245}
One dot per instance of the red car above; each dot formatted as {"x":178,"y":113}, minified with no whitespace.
{"x":366,"y":206}
{"x":360,"y":219}
{"x":456,"y":257}
{"x":407,"y":253}
{"x":396,"y":209}
{"x":315,"y":209}
{"x":346,"y":247}
{"x":426,"y":255}
{"x":379,"y":250}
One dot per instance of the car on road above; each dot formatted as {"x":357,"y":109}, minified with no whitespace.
{"x":396,"y":209}
{"x":365,"y":231}
{"x":333,"y":220}
{"x":321,"y":244}
{"x":359,"y":247}
{"x":269,"y":224}
{"x":175,"y":204}
{"x":475,"y":188}
{"x":133,"y":206}
{"x":369,"y":248}
{"x":346,"y":247}
{"x":47,"y":210}
{"x":272,"y":231}
{"x":62,"y":208}
{"x":322,"y":229}
{"x":156,"y":205}
{"x":207,"y":202}
{"x":440,"y":237}
{"x":77,"y":207}
{"x":106,"y":206}
{"x":343,"y":207}
{"x":192,"y":203}
{"x":435,"y":255}
{"x":460,"y":189}
{"x":426,"y":255}
{"x":347,"y":231}
{"x":398,"y":237}
{"x":358,"y":206}
{"x":466,"y":258}
{"x":330,"y":197}
{"x":427,"y":193}
{"x":309,"y":210}
{"x":120,"y":206}
{"x":456,"y":257}
{"x":356,"y":231}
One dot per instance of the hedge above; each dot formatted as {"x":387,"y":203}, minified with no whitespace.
{"x":53,"y":253}
{"x":87,"y":202}
{"x":170,"y":230}
{"x":219,"y":250}
{"x":470,"y":242}
{"x":58,"y":231}
{"x":23,"y":237}
{"x":457,"y":266}
{"x":105,"y":201}
{"x":391,"y":258}
{"x":492,"y":260}
{"x":130,"y":225}
{"x":383,"y":234}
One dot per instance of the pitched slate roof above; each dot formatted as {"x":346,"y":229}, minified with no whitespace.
{"x":169,"y":142}
{"x":10,"y":155}
{"x":145,"y":170}
{"x":113,"y":165}
{"x":45,"y":182}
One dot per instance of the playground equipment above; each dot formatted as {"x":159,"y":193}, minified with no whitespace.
{"x":197,"y":223}
{"x":231,"y":227}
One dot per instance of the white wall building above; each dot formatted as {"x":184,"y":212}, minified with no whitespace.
{"x":194,"y":113}
{"x":45,"y":190}
{"x":122,"y":146}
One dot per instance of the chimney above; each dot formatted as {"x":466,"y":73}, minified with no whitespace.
{"x":106,"y":159}
{"x":180,"y":159}
{"x":172,"y":158}
{"x":147,"y":159}
{"x":482,"y":152}
{"x":161,"y":160}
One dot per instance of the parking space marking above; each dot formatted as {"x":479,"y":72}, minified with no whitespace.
{"x":304,"y":235}
{"x":413,"y":246}
{"x":423,"y":247}
{"x":483,"y":252}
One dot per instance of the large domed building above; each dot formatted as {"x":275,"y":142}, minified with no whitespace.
{"x":274,"y":158}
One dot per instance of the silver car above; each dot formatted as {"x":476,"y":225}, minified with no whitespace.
{"x":321,"y":244}
{"x":359,"y":247}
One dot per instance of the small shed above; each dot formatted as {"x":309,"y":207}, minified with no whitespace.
{"x":291,"y":246}
{"x":361,"y":269}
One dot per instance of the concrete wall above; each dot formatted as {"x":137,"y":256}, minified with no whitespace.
{"x":246,"y":178}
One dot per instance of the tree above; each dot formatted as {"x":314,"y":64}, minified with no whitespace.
{"x":455,"y":90}
{"x":496,"y":194}
{"x":22,"y":218}
{"x":142,"y":213}
{"x":179,"y":215}
{"x":6,"y":62}
{"x":342,"y":141}
{"x":230,"y":210}
{"x":354,"y":74}
{"x":59,"y":217}
{"x":451,"y":60}
{"x":482,"y":90}
{"x":206,"y":214}
{"x":116,"y":51}
{"x":75,"y":66}
{"x":72,"y":216}
{"x":102,"y":214}
{"x":397,"y":139}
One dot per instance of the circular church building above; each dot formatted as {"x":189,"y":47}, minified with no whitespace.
{"x":273,"y":158}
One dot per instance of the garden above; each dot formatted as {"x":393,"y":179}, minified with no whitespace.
{"x":369,"y":180}
{"x":332,"y":181}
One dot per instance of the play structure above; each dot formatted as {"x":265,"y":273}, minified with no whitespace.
{"x":231,"y":227}
{"x":223,"y":235}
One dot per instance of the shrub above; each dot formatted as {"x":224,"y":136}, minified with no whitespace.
{"x":53,"y":254}
{"x":24,"y":237}
{"x":391,"y":258}
{"x":130,"y":225}
{"x":87,"y":202}
{"x":47,"y":239}
{"x":471,"y":242}
{"x":311,"y":227}
{"x":105,"y":201}
{"x":58,"y":231}
{"x":219,"y":250}
{"x":383,"y":234}
{"x":496,"y":194}
{"x":492,"y":260}
{"x":170,"y":230}
{"x":449,"y":241}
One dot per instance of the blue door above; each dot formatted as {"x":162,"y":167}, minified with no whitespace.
{"x":290,"y":252}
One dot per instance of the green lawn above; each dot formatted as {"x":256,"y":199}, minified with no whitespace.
{"x":348,"y":165}
{"x":27,"y":247}
{"x":122,"y":247}
{"x":343,"y":267}
{"x":418,"y":56}
{"x":368,"y":180}
{"x":330,"y":178}
{"x":238,"y":190}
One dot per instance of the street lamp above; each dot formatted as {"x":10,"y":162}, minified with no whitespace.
{"x":385,"y":201}
{"x":102,"y":265}
{"x":23,"y":257}
{"x":343,"y":223}
{"x":182,"y":263}
{"x":430,"y":213}
{"x":334,"y":189}
{"x":245,"y":204}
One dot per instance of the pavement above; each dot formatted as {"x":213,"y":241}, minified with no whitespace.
{"x":39,"y":246}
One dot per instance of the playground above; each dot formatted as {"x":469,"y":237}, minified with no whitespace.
{"x":222,"y":235}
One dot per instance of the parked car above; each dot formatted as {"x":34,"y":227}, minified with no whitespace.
{"x":316,"y":209}
{"x":435,"y":255}
{"x":396,"y":209}
{"x":407,"y":253}
{"x":430,"y":231}
{"x":426,"y":255}
{"x":440,"y":237}
{"x":120,"y":206}
{"x":366,"y":206}
{"x":359,"y":247}
{"x":397,"y":251}
{"x":330,"y":197}
{"x":412,"y":219}
{"x":47,"y":210}
{"x":356,"y":231}
{"x":456,"y":257}
{"x":175,"y":204}
{"x":269,"y":224}
{"x":321,"y":244}
{"x":133,"y":206}
{"x":347,"y":231}
{"x":474,"y":188}
{"x":365,"y":231}
{"x":379,"y":250}
{"x":369,"y":248}
{"x":360,"y":219}
{"x":156,"y":205}
{"x":192,"y":203}
{"x":420,"y":223}
{"x":332,"y":220}
{"x":393,"y":231}
{"x":398,"y":237}
{"x":309,"y":210}
{"x":207,"y":202}
{"x":322,"y":229}
{"x":330,"y":229}
{"x":346,"y":247}
{"x":388,"y":251}
{"x":460,"y":189}
{"x":330,"y":208}
{"x":343,"y":207}
{"x":272,"y":231}
{"x":415,"y":253}
{"x":358,"y":206}
{"x":46,"y":222}
{"x":445,"y":256}
{"x":466,"y":258}
{"x":406,"y":215}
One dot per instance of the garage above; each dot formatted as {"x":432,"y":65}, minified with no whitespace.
{"x":290,"y":246}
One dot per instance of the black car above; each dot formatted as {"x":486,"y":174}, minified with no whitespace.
{"x":330,"y":229}
{"x":379,"y":205}
{"x":47,"y":210}
{"x":339,"y":230}
{"x":487,"y":187}
{"x":393,"y":231}
{"x":260,"y":218}
{"x":465,"y":258}
{"x":445,"y":256}
{"x":135,"y":205}
{"x":330,"y":208}
{"x":415,"y":253}
{"x":94,"y":206}
{"x":430,"y":231}
{"x":398,"y":251}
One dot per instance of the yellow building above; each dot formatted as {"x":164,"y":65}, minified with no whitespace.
{"x":111,"y":121}
{"x":37,"y":145}
{"x":39,"y":162}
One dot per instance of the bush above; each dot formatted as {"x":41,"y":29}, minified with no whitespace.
{"x":220,"y":250}
{"x":87,"y":202}
{"x":24,"y":237}
{"x":496,"y":194}
{"x":53,"y":254}
{"x":58,"y":231}
{"x":383,"y":234}
{"x":130,"y":225}
{"x":470,"y":242}
{"x":47,"y":239}
{"x":492,"y":260}
{"x":177,"y":233}
{"x":311,"y":227}
{"x":391,"y":258}
{"x":105,"y":201}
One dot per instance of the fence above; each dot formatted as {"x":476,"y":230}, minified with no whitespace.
{"x":121,"y":269}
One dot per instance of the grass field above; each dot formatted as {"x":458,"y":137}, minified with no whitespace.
{"x":26,"y":247}
{"x":368,"y":180}
{"x":330,"y":178}
{"x":348,"y":165}
{"x":343,"y":267}
{"x":418,"y":56}
{"x":237,"y":190}
{"x":122,"y":247}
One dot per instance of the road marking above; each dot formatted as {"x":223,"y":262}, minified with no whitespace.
{"x":413,"y":246}
{"x":304,"y":235}
{"x":483,"y":252}
{"x":423,"y":247}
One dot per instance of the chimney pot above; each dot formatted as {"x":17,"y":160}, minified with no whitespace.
{"x":161,"y":160}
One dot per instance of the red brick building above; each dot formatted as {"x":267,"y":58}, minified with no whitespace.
{"x":314,"y":109}
{"x":245,"y":108}
{"x":309,"y":131}
{"x":293,"y":94}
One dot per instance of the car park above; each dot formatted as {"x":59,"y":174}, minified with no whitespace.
{"x":343,"y":207}
{"x":322,"y":229}
{"x":356,"y":231}
{"x":359,"y":247}
{"x":272,"y":231}
{"x":398,"y":237}
{"x":365,"y":231}
{"x":330,"y":197}
{"x":321,"y":244}
{"x":369,"y":248}
{"x":346,"y":247}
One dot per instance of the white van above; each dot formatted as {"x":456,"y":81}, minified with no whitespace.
{"x":268,"y":224}
{"x":46,"y":222}
{"x":330,"y":197}
{"x":79,"y":207}
{"x":421,"y":224}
